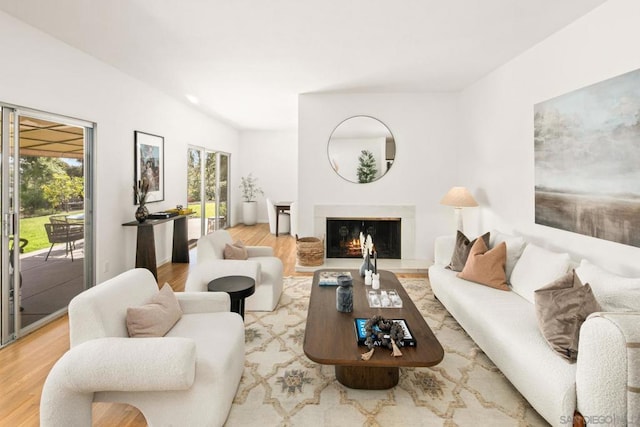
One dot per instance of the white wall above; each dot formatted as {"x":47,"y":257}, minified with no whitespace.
{"x":42,"y":73}
{"x":498,"y":118}
{"x":426,"y":131}
{"x":272,"y":157}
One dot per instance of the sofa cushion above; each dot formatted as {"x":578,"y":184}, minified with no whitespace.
{"x":236,"y":250}
{"x":462,"y":249}
{"x":515,"y":246}
{"x":157,"y":317}
{"x":613,"y":292}
{"x":486,"y":266}
{"x":561,"y":307}
{"x":536,"y":268}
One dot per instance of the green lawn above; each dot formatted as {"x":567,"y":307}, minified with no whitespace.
{"x":33,"y":230}
{"x":197,"y":212}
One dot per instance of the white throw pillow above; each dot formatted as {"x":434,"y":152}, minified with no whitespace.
{"x":536,"y":268}
{"x":613,"y":292}
{"x":515,"y":245}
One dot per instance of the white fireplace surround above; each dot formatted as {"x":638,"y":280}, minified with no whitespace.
{"x":406,"y":213}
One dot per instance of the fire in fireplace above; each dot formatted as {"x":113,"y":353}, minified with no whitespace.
{"x":343,"y":236}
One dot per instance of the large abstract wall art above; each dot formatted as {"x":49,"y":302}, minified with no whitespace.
{"x":587,"y":160}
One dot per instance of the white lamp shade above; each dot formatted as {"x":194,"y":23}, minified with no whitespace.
{"x":459,"y":197}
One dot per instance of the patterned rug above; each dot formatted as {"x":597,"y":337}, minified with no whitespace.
{"x":281,"y":387}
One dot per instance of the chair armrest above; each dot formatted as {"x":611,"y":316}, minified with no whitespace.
{"x":203,"y":302}
{"x":608,"y":366}
{"x":129,"y":364}
{"x":256,"y":251}
{"x":203,"y":273}
{"x":443,"y":249}
{"x":113,"y":364}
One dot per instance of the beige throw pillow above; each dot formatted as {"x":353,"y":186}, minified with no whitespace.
{"x":561,"y":308}
{"x":157,"y":317}
{"x":486,"y":266}
{"x":462,"y":249}
{"x":237,"y":250}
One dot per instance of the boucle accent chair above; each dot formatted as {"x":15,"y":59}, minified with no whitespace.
{"x":261,"y":265}
{"x":188,"y":377}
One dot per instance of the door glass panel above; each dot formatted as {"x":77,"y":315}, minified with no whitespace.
{"x":210,"y":192}
{"x":10,"y":296}
{"x":42,"y":187}
{"x":194,"y":190}
{"x":52,"y":239}
{"x":207,"y":191}
{"x":223,"y":192}
{"x":6,"y":296}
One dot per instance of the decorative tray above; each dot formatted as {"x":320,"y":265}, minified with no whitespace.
{"x":383,"y":299}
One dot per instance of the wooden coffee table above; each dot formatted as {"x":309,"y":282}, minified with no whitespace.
{"x":330,"y":338}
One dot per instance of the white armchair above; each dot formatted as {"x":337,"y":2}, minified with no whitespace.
{"x":284,"y":219}
{"x":262,"y":266}
{"x":188,"y":377}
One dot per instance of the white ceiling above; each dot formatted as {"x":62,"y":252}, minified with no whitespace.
{"x":247,"y":60}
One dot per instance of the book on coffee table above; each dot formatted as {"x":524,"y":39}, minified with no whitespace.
{"x":330,"y":278}
{"x":361,"y":334}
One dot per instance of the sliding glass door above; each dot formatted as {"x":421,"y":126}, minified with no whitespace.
{"x":46,"y":199}
{"x":207,"y":191}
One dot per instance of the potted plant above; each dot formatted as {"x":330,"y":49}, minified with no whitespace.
{"x":250,"y":191}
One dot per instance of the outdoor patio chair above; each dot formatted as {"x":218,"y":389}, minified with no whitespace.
{"x":64,"y":233}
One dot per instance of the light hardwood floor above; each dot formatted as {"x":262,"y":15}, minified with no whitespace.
{"x":25,"y":364}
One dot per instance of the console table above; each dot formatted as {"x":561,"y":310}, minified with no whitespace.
{"x":146,"y":244}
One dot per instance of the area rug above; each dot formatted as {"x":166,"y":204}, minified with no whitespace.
{"x":281,"y":387}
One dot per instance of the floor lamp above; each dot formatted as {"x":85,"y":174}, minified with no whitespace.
{"x":459,"y":197}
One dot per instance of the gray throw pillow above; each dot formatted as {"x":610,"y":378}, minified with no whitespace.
{"x":462,"y":249}
{"x":561,"y":307}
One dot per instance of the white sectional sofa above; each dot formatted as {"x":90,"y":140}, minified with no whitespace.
{"x":603,"y":385}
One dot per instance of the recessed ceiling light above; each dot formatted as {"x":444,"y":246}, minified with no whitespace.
{"x":192,"y":99}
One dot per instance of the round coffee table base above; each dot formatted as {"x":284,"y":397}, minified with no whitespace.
{"x":367,"y":377}
{"x":238,"y":288}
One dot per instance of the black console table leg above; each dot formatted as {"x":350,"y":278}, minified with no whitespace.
{"x":146,"y":250}
{"x":180,"y":241}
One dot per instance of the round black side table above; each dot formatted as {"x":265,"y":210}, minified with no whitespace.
{"x":238,"y":288}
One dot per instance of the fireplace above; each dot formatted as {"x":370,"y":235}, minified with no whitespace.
{"x":343,"y":237}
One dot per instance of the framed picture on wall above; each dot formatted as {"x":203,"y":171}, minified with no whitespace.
{"x":149,"y":163}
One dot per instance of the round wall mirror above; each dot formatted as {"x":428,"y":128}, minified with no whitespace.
{"x":361,"y":149}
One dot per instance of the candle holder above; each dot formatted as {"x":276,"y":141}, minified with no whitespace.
{"x":367,"y":277}
{"x":375,"y":280}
